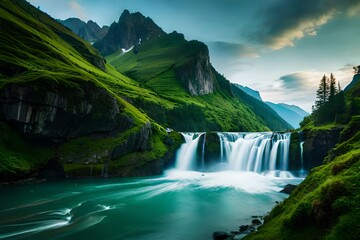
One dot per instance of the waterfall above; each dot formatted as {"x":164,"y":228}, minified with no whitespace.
{"x":256,"y":152}
{"x":302,"y":155}
{"x":302,"y":172}
{"x":261,"y":152}
{"x":203,"y":154}
{"x":186,"y":155}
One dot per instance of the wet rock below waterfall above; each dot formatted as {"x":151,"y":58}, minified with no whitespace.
{"x":243,"y":230}
{"x":288,"y":188}
{"x":220,"y":235}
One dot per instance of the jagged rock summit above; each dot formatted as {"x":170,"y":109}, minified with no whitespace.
{"x":132,"y":29}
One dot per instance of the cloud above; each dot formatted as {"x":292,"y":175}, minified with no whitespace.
{"x":78,"y":10}
{"x":233,"y":50}
{"x":300,"y":81}
{"x":283,"y":22}
{"x":299,"y":88}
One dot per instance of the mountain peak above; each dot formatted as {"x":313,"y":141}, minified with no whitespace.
{"x":132,"y":29}
{"x":90,"y":30}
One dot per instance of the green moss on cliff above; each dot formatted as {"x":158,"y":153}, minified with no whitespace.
{"x":19,"y":159}
{"x":163,"y":147}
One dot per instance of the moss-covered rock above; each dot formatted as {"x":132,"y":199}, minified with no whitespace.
{"x":318,"y":142}
{"x":295,"y":151}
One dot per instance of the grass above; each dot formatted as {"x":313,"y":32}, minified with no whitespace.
{"x":17,"y":157}
{"x":38,"y":51}
{"x":154,"y":68}
{"x":326,"y":205}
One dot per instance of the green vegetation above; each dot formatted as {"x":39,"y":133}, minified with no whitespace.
{"x":19,"y":159}
{"x":37,"y":51}
{"x":330,"y":105}
{"x":326,"y":205}
{"x":156,"y":64}
{"x":267,"y":115}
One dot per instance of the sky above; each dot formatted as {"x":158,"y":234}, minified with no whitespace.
{"x":281,"y":48}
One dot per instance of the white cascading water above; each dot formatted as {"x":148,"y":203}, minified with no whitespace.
{"x":186,"y":155}
{"x":257,"y":152}
{"x":264,"y":152}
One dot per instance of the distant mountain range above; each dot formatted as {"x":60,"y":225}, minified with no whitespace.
{"x":290,"y":113}
{"x":90,"y":31}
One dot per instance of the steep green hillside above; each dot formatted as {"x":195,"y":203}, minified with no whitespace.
{"x":267,"y":114}
{"x":326,"y":205}
{"x":56,"y":89}
{"x":180,"y":72}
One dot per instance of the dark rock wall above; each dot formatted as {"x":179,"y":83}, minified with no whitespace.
{"x":57,"y":113}
{"x":295,"y":152}
{"x":197,"y":76}
{"x":317,"y":144}
{"x":132,"y":29}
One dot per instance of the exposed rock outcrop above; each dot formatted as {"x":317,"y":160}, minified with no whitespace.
{"x":197,"y":75}
{"x":56,"y":113}
{"x":317,"y":144}
{"x":139,"y":141}
{"x":86,"y":127}
{"x":132,"y":29}
{"x":289,"y":188}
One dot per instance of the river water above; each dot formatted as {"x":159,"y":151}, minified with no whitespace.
{"x":182,"y":204}
{"x":177,"y":205}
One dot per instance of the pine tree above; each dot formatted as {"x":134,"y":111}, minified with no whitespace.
{"x":332,"y":88}
{"x":322,"y":94}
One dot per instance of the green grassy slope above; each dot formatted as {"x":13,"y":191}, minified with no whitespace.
{"x":36,"y":50}
{"x":154,"y":65}
{"x":326,"y":205}
{"x":268,"y":116}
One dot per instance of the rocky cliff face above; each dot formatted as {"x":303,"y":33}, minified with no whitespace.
{"x":57,"y":113}
{"x":317,"y":144}
{"x":61,"y":116}
{"x":131,"y":30}
{"x":197,"y":75}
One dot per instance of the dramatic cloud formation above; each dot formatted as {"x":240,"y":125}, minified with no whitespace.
{"x":285,"y":21}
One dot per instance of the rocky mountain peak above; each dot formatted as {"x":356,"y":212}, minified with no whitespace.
{"x":130,"y":30}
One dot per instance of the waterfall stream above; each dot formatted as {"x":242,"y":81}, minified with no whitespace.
{"x":261,"y":152}
{"x":187,"y":151}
